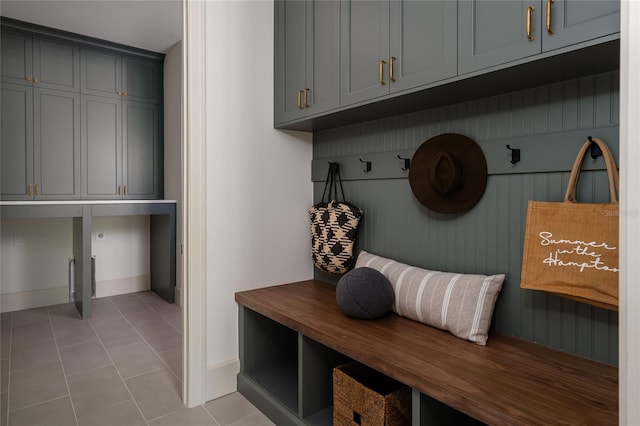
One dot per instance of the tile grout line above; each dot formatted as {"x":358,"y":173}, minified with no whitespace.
{"x":66,"y":382}
{"x":41,"y":402}
{"x":116,"y":368}
{"x":148,"y":345}
{"x":98,"y":340}
{"x":145,"y":340}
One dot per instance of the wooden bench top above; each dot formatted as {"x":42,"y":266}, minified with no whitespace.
{"x":509,"y":381}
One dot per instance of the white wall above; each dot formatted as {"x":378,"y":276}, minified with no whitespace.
{"x":35,"y":253}
{"x":122,"y":254}
{"x":258,"y":179}
{"x":173,"y":142}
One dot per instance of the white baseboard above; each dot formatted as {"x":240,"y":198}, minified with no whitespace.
{"x":34,"y":298}
{"x":10,"y":302}
{"x":108,"y":288}
{"x":221,"y":379}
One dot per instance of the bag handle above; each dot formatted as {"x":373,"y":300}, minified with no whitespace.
{"x":328,"y":182}
{"x":338,"y":179}
{"x":331,"y":183}
{"x":612,"y":171}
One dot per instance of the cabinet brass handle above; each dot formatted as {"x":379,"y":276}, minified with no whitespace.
{"x":300,"y":99}
{"x":29,"y":189}
{"x":36,"y":81}
{"x":382,"y":72}
{"x":391,"y":60}
{"x":119,"y":93}
{"x":530,"y":10}
{"x":125,"y":190}
{"x":306,"y":97}
{"x":37,"y":189}
{"x":119,"y":190}
{"x":549,"y":29}
{"x":29,"y":79}
{"x":124,"y":93}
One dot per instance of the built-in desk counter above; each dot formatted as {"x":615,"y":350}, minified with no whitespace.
{"x":162,"y":215}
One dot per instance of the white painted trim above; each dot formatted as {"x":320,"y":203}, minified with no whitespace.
{"x":222,"y":379}
{"x":34,"y":298}
{"x":629,"y":314}
{"x":126,"y":285}
{"x":194,"y":192}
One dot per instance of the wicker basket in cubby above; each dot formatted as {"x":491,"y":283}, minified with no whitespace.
{"x":362,"y":396}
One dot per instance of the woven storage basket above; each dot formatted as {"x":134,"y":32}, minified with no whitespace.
{"x":362,"y":396}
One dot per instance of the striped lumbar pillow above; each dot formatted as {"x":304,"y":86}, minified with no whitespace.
{"x":459,"y":303}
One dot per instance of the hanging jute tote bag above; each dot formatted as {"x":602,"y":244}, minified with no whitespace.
{"x":571,"y":248}
{"x":334,"y":226}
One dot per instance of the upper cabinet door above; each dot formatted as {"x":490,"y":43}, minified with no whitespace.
{"x":16,"y":145}
{"x":364,"y":51}
{"x":140,"y":150}
{"x":101,"y":140}
{"x":568,"y":22}
{"x":140,"y":79}
{"x":56,"y":144}
{"x":17,"y":65}
{"x":322,"y":56}
{"x":100,"y":73}
{"x":423,"y":41}
{"x":290,"y":60}
{"x":56,"y":65}
{"x":495,"y":32}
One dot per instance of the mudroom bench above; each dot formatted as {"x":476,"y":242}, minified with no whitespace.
{"x":293,"y":335}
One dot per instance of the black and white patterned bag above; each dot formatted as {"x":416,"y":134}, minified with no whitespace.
{"x":334,"y":226}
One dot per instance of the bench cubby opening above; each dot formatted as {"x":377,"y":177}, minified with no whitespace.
{"x":269,"y":357}
{"x":317,"y":364}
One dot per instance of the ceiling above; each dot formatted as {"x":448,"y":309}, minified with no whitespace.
{"x":154,"y":25}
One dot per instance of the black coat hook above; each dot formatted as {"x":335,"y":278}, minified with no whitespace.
{"x":595,"y":149}
{"x":367,"y":165}
{"x":407,"y":163}
{"x":515,"y":154}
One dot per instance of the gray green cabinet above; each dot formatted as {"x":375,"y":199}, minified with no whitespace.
{"x":121,"y":149}
{"x":56,"y":141}
{"x":140,"y":150}
{"x":574,"y":21}
{"x":16,"y":150}
{"x":423,"y":44}
{"x":428,"y":52}
{"x":101,"y":147}
{"x":494,"y":32}
{"x":40,"y":143}
{"x":111,"y":74}
{"x":40,"y":61}
{"x":80,"y":119}
{"x":364,"y":50}
{"x":389,"y":47}
{"x":307,"y":54}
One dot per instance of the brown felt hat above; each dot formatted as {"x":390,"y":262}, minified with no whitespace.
{"x":448,"y":173}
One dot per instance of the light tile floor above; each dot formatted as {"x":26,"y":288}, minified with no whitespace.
{"x":122,"y":367}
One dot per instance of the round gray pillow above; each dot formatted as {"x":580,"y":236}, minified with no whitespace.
{"x":364,"y":293}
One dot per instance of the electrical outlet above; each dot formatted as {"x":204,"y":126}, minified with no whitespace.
{"x":100,"y":235}
{"x":18,"y":240}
